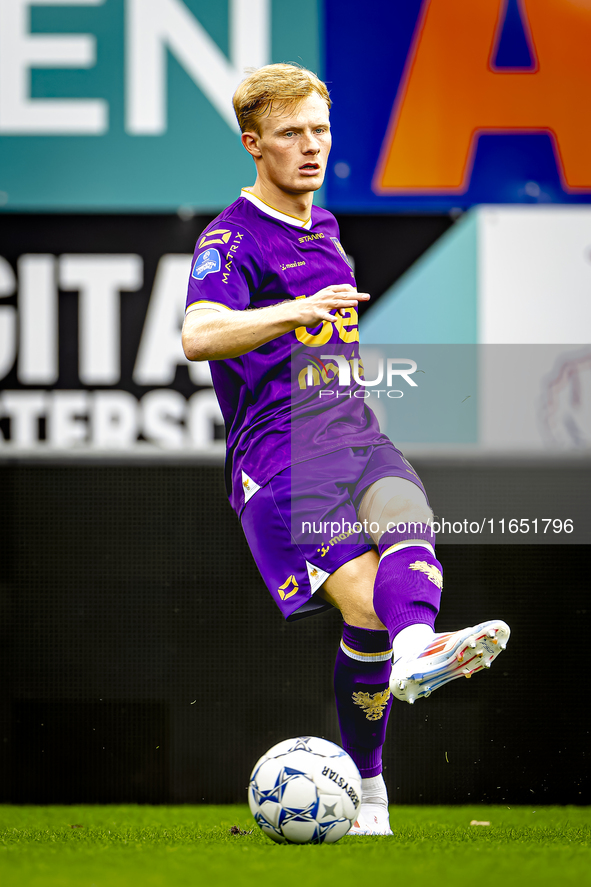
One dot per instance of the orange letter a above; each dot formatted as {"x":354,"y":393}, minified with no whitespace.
{"x":450,"y":93}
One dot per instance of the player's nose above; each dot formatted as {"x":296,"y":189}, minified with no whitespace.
{"x":310,"y":144}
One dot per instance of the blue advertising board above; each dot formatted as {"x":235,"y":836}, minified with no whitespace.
{"x":126,"y":104}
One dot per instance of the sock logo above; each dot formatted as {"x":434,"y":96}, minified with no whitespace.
{"x":372,"y":705}
{"x":431,"y":571}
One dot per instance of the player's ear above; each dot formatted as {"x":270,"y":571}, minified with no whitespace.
{"x":250,"y":140}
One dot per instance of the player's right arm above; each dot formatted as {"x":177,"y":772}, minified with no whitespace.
{"x":216,"y":335}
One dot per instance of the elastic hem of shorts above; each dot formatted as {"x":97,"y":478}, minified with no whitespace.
{"x":361,"y":549}
{"x":313,"y":611}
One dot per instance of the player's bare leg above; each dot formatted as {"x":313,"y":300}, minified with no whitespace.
{"x":361,"y":682}
{"x":350,"y":590}
{"x":408,"y":591}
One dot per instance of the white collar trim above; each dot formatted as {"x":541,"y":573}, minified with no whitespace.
{"x":275,"y":213}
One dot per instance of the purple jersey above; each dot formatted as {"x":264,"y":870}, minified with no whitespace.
{"x":253,"y":256}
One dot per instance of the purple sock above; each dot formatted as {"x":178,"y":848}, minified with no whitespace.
{"x":408,"y":584}
{"x":361,"y":685}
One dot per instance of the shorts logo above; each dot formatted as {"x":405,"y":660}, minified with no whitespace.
{"x":372,"y":705}
{"x":326,"y":546}
{"x":432,"y":573}
{"x":206,"y":263}
{"x":220,"y":235}
{"x":340,"y":250}
{"x":288,"y":589}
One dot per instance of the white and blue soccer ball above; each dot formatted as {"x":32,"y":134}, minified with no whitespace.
{"x":305,"y":791}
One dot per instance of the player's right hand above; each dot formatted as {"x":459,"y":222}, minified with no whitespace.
{"x":313,"y":309}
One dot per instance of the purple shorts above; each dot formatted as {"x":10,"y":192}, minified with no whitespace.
{"x":302,"y":525}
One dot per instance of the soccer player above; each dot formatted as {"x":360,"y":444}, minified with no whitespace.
{"x":272,"y":303}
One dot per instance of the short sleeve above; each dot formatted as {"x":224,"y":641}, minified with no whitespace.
{"x":226,"y":269}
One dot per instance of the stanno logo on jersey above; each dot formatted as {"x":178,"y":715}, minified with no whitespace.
{"x":220,"y":235}
{"x":206,"y":263}
{"x":340,"y":250}
{"x":308,"y":237}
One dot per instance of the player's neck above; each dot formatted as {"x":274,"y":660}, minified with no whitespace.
{"x":298,"y":205}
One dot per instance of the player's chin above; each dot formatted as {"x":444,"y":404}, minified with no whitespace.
{"x":311,"y":183}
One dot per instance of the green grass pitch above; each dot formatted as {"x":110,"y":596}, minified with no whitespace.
{"x":118,"y":846}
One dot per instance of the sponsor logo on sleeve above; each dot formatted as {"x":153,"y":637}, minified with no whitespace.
{"x":207,"y":262}
{"x":230,"y":256}
{"x":219,"y":235}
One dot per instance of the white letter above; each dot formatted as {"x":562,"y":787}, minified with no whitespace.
{"x":404,"y":373}
{"x":160,"y":348}
{"x":162,"y":412}
{"x":20,"y":51}
{"x":24,"y":408}
{"x":7,"y":319}
{"x":343,"y":365}
{"x":113,"y":419}
{"x":153,"y":26}
{"x":66,"y":419}
{"x":99,"y":280}
{"x":364,"y":381}
{"x":38,"y":320}
{"x":203,"y":415}
{"x":200,"y":372}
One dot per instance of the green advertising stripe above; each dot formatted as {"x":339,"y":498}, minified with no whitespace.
{"x":133,"y":111}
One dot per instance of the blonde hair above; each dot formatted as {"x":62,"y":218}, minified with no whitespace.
{"x":272,"y":87}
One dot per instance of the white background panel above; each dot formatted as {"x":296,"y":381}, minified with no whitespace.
{"x":535,"y":275}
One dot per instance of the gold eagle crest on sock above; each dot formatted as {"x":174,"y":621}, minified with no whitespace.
{"x":430,"y":571}
{"x":372,"y":705}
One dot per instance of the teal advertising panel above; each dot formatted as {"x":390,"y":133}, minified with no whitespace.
{"x":126,"y":104}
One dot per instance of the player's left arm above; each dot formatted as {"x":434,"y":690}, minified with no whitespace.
{"x":212,"y":335}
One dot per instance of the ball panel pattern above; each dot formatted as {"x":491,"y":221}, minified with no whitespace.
{"x":305,"y":790}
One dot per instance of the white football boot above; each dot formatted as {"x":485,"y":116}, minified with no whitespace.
{"x":457,"y":654}
{"x":372,"y":819}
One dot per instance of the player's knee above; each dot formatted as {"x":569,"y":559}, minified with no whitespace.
{"x":393,"y":502}
{"x":408,"y":513}
{"x":362,"y":613}
{"x":350,"y":589}
{"x":359,"y":608}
